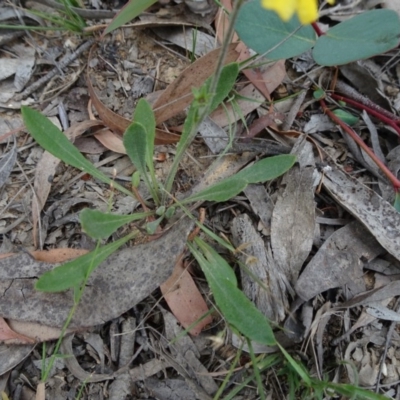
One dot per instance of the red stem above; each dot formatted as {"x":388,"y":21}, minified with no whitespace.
{"x":395,"y":182}
{"x":375,"y":112}
{"x":317,"y":29}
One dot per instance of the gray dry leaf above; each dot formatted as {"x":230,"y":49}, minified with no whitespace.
{"x":271,"y":299}
{"x":123,"y":280}
{"x":7,"y":164}
{"x":338,"y":262}
{"x":293,"y":218}
{"x":376,"y":214}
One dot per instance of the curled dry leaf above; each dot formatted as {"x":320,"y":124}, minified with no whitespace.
{"x":8,"y":336}
{"x":178,"y":94}
{"x":123,"y":280}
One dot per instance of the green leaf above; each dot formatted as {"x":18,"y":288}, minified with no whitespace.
{"x":135,"y":142}
{"x":144,"y":115}
{"x":74,"y":272}
{"x":368,"y":34}
{"x":221,"y":191}
{"x":99,"y":225}
{"x":225,"y":84}
{"x":130,"y":11}
{"x":152,"y":226}
{"x":238,"y":310}
{"x":319,"y":94}
{"x":262,"y":171}
{"x":267,"y":169}
{"x":346,"y":117}
{"x":55,"y":142}
{"x":263,"y":30}
{"x":298,"y":368}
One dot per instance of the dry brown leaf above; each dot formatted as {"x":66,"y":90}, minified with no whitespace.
{"x":178,"y":94}
{"x":8,"y":336}
{"x":222,"y":21}
{"x":185,"y":300}
{"x":253,"y":74}
{"x":57,"y":255}
{"x":111,"y":141}
{"x":41,"y":333}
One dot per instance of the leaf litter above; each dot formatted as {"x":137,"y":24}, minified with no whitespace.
{"x":322,"y":241}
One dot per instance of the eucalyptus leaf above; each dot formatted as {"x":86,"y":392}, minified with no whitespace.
{"x":238,"y":310}
{"x":263,"y":31}
{"x":99,"y":225}
{"x":55,"y":142}
{"x":72,"y":274}
{"x":363,"y":36}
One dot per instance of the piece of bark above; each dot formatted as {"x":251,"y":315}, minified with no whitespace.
{"x":271,"y":299}
{"x":293,"y":218}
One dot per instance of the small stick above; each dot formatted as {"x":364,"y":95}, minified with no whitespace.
{"x":64,"y":62}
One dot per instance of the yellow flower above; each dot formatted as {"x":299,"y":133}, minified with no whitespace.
{"x":306,"y":10}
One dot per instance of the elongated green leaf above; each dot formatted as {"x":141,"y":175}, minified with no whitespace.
{"x":99,"y":225}
{"x":55,"y":142}
{"x":128,"y":13}
{"x":135,"y":142}
{"x":74,"y":272}
{"x":225,"y":84}
{"x":298,"y":368}
{"x":221,"y":191}
{"x":144,"y":115}
{"x":263,"y":31}
{"x":238,"y":310}
{"x":262,"y":171}
{"x":368,"y":34}
{"x":267,"y":169}
{"x":351,"y":391}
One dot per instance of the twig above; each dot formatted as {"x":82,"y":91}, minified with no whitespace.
{"x":394,"y":181}
{"x":87,"y":14}
{"x":64,"y":62}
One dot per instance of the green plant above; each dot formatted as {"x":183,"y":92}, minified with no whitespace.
{"x":280,"y":40}
{"x":69,"y":20}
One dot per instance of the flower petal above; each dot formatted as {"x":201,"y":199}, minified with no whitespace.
{"x":307,"y":10}
{"x":284,"y":8}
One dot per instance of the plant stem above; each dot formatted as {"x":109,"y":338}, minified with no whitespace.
{"x":203,"y":111}
{"x":395,"y":182}
{"x":376,"y":112}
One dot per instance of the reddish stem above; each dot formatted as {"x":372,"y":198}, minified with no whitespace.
{"x":317,"y":29}
{"x":395,"y":182}
{"x":375,"y":112}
